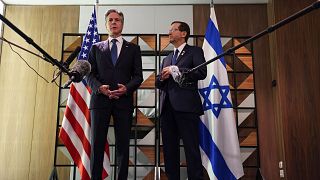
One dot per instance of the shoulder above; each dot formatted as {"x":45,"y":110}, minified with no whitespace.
{"x":131,"y":45}
{"x":100,"y":45}
{"x":196,"y":51}
{"x":194,"y":48}
{"x":167,"y":58}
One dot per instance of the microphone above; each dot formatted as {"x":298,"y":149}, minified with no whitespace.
{"x":184,"y":80}
{"x":80,"y":69}
{"x":69,"y":60}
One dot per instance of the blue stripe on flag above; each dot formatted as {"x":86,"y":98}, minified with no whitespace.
{"x":219,"y":166}
{"x":84,"y":82}
{"x":213,"y":38}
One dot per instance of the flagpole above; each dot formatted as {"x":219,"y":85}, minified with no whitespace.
{"x":96,"y":6}
{"x":268,"y":30}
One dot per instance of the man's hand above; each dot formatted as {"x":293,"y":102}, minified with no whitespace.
{"x":104,"y":89}
{"x":122,"y":89}
{"x":165,"y":73}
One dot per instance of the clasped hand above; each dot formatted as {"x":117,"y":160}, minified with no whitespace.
{"x":170,"y":70}
{"x":165,"y":73}
{"x":115,"y":94}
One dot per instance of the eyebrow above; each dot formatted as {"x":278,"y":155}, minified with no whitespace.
{"x":114,"y":18}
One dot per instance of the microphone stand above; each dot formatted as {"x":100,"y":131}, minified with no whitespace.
{"x":268,"y":30}
{"x":46,"y":56}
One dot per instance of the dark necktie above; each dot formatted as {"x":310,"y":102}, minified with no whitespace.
{"x":175,"y":56}
{"x":114,"y":51}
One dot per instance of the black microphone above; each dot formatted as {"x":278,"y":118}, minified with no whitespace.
{"x":80,"y":69}
{"x":69,"y":60}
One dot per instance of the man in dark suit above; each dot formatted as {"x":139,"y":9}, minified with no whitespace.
{"x":116,"y":72}
{"x":180,"y":106}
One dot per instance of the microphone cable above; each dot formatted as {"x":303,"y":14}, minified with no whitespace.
{"x":10,"y":45}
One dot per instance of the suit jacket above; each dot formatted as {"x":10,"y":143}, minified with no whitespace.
{"x":126,"y":71}
{"x":184,"y":99}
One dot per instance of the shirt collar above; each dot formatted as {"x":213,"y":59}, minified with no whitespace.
{"x":180,"y":48}
{"x":119,"y":39}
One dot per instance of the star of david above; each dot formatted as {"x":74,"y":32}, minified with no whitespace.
{"x":224,"y":101}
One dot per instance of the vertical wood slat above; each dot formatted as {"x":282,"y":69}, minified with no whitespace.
{"x":201,"y":15}
{"x":296,"y":62}
{"x":17,"y":95}
{"x":55,"y":21}
{"x":28,"y":104}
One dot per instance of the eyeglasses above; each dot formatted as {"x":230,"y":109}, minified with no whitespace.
{"x":173,"y":30}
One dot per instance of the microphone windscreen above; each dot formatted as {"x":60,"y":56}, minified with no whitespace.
{"x":81,"y":68}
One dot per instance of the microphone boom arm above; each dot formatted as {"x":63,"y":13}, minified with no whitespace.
{"x":46,"y":56}
{"x":270,"y":29}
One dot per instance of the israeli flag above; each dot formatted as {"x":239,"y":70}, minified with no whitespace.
{"x":219,"y":144}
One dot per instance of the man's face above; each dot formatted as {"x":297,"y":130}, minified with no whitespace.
{"x":175,"y":35}
{"x":114,"y":24}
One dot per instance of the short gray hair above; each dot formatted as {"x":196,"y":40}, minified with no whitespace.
{"x":114,"y":11}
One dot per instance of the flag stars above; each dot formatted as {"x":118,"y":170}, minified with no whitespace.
{"x":91,"y":36}
{"x":224,"y":101}
{"x":84,"y":55}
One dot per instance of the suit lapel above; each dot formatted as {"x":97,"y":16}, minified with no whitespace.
{"x":124,"y":47}
{"x":185,"y":50}
{"x":105,"y":51}
{"x":168,"y":60}
{"x":106,"y":46}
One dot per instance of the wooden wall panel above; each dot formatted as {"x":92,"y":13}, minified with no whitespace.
{"x":247,"y":20}
{"x":296,"y":63}
{"x":17,"y":97}
{"x":201,"y":15}
{"x":55,"y":21}
{"x":28,"y":105}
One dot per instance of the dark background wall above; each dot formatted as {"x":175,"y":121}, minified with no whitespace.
{"x":295,"y":58}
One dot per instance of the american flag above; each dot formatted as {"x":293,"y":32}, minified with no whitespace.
{"x":75,"y":132}
{"x":219,"y":145}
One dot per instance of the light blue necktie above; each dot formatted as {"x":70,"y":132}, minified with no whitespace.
{"x":175,"y":56}
{"x":114,"y":51}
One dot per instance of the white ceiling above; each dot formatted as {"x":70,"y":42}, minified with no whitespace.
{"x":127,"y":2}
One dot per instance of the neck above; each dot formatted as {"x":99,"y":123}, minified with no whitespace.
{"x":114,"y":35}
{"x":178,"y":44}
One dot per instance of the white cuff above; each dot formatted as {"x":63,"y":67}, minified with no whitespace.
{"x":175,"y":73}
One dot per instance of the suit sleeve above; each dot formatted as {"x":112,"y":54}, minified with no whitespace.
{"x":158,"y":83}
{"x":92,"y":80}
{"x":137,"y":76}
{"x":198,"y":58}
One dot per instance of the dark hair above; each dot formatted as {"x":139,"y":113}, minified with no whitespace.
{"x":183,"y":27}
{"x":114,"y":11}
